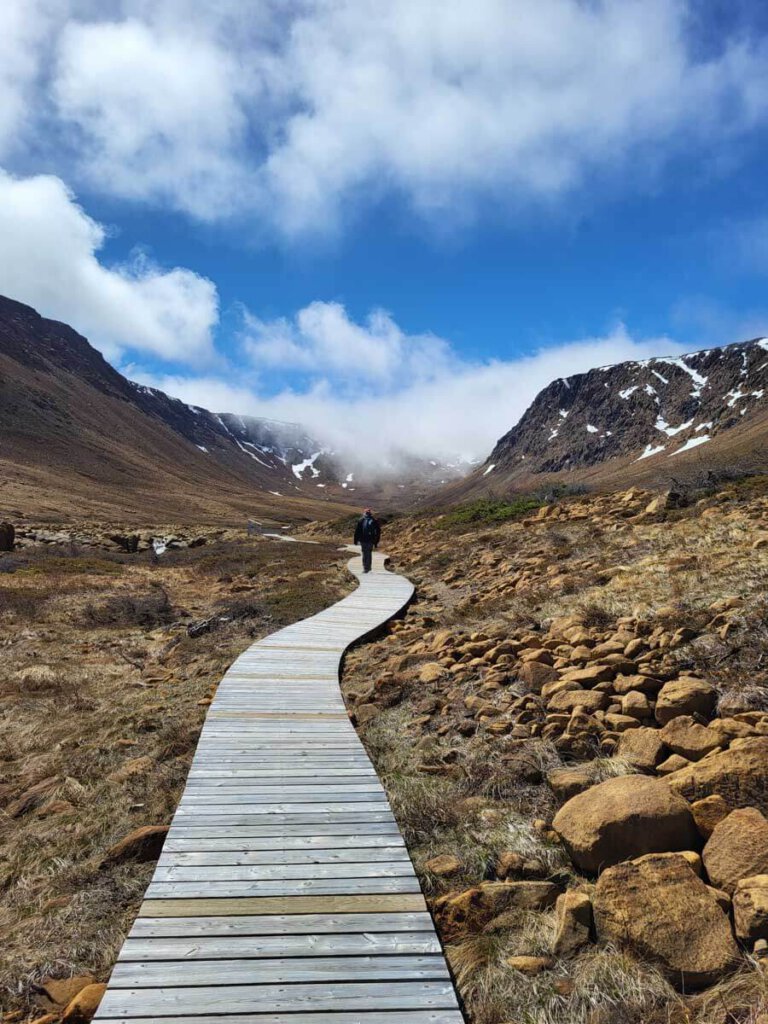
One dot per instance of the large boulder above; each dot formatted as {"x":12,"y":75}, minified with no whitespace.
{"x":658,"y":909}
{"x":750,"y":908}
{"x":688,"y":738}
{"x":622,"y":818}
{"x":739,"y":775}
{"x":643,"y":748}
{"x":685,"y":697}
{"x":737,"y":848}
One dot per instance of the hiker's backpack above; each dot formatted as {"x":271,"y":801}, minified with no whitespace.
{"x":368,"y":531}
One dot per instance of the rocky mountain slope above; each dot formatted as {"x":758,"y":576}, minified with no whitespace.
{"x":645,"y":422}
{"x":79,"y":438}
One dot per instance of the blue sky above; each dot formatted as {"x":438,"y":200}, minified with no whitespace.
{"x":411,"y":212}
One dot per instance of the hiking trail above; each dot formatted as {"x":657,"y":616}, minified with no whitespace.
{"x":284,"y":892}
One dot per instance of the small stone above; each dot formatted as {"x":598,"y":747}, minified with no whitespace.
{"x":643,"y":748}
{"x":530,"y":965}
{"x":707,"y":813}
{"x":635,"y":704}
{"x":567,"y":782}
{"x":750,"y":908}
{"x":574,"y":922}
{"x":431,"y":672}
{"x":672,"y":764}
{"x":443,"y":865}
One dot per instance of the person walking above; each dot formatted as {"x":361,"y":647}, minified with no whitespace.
{"x":367,"y":535}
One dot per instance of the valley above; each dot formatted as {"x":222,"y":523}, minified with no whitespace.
{"x":570,"y":720}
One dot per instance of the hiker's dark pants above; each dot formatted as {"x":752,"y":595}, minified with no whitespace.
{"x":367,"y":552}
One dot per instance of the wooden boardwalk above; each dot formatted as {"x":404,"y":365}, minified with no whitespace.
{"x":284,"y":892}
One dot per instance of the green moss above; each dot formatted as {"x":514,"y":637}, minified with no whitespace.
{"x":58,"y":566}
{"x":489,"y":510}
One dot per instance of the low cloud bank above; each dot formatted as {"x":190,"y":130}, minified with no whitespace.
{"x":458,"y":410}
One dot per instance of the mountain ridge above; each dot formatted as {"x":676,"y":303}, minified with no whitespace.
{"x":623,"y":423}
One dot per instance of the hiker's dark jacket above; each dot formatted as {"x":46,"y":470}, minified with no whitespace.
{"x":367,"y":531}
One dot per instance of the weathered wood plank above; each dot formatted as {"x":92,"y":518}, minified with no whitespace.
{"x":278,"y":970}
{"x":200,"y":1000}
{"x":336,"y":904}
{"x":280,"y":924}
{"x":312,"y":855}
{"x":350,"y":1017}
{"x":283,"y":887}
{"x":173,"y":872}
{"x":212,"y":947}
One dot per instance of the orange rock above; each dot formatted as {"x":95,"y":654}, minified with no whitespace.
{"x":84,"y":1006}
{"x":54,"y":993}
{"x":443,"y":864}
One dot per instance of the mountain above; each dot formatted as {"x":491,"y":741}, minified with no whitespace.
{"x":651,"y":422}
{"x":79,"y":439}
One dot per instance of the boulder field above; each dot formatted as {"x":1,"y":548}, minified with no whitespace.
{"x":599,"y":667}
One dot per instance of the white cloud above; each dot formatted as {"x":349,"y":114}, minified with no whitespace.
{"x":323,"y":339}
{"x":460,"y":409}
{"x":296,"y":111}
{"x":49,"y":259}
{"x":157,"y":111}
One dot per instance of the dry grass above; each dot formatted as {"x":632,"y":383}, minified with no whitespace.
{"x":102,"y":695}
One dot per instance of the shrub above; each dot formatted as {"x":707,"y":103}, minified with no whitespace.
{"x":62,"y":565}
{"x":23,"y":603}
{"x":151,"y":609}
{"x":489,"y":510}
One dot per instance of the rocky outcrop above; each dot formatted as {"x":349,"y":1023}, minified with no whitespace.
{"x":658,"y":909}
{"x":634,"y":410}
{"x":621,"y":818}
